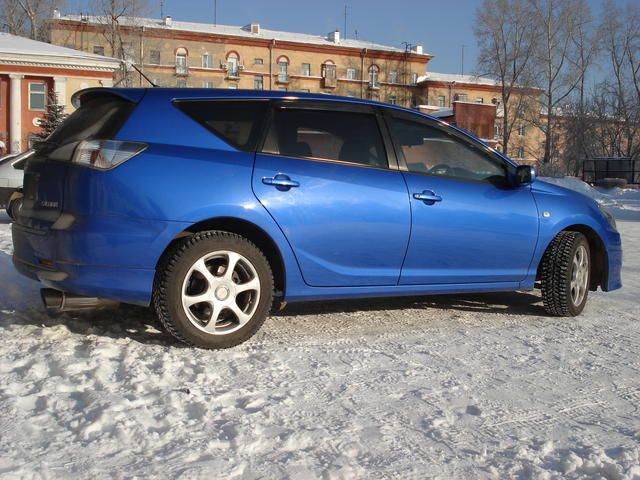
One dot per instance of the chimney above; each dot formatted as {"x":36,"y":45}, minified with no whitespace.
{"x":168,"y":21}
{"x":334,"y":36}
{"x":417,"y":49}
{"x":255,"y":28}
{"x":56,"y":13}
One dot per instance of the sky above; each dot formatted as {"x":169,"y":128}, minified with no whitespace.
{"x":441,"y":26}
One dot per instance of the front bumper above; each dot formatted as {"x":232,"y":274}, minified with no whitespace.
{"x":110,"y":258}
{"x":614,"y":257}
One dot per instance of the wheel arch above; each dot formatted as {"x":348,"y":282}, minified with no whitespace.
{"x":251,"y":232}
{"x":599,"y":261}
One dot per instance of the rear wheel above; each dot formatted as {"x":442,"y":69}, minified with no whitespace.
{"x":565,"y":274}
{"x":213,"y":290}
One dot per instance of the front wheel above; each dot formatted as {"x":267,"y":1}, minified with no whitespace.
{"x":213,"y":290}
{"x":565,"y":275}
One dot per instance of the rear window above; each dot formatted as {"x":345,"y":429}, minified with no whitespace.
{"x":237,"y":122}
{"x":99,"y":118}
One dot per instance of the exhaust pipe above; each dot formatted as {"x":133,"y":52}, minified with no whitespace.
{"x":57,"y":302}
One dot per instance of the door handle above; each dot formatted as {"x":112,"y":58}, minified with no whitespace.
{"x":428,"y":196}
{"x":283,"y":182}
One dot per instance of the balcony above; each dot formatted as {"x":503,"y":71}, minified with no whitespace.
{"x":232,"y":74}
{"x":329,"y":82}
{"x":182,"y":70}
{"x":374,"y":85}
{"x":283,"y":78}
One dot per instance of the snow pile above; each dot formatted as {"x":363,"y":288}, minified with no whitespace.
{"x":464,"y":386}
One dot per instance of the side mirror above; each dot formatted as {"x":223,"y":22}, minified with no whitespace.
{"x":525,"y":175}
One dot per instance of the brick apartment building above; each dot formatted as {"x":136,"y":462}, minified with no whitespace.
{"x":185,"y":54}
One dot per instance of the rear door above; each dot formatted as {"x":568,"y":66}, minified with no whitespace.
{"x":325,"y":177}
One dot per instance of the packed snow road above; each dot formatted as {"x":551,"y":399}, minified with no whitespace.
{"x":476,"y":386}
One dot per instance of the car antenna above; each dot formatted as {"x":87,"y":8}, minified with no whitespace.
{"x":143,"y":75}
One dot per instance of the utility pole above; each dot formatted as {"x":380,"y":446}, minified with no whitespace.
{"x":161,"y":9}
{"x":462,"y":62}
{"x":344,"y":33}
{"x":215,"y":13}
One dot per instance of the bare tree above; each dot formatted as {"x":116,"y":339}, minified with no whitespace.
{"x":119,"y":21}
{"x":560,"y":25}
{"x":27,"y":17}
{"x":578,"y":117}
{"x":507,"y":39}
{"x":621,"y":91}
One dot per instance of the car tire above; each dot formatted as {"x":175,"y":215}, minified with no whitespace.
{"x":565,"y":274}
{"x":203,"y":303}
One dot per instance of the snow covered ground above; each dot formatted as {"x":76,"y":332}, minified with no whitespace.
{"x":475,"y":386}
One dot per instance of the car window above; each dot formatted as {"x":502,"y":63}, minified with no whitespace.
{"x":432,"y":151}
{"x":331,"y":135}
{"x":237,"y":122}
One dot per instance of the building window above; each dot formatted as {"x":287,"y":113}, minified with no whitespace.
{"x":460,"y":97}
{"x":522,"y":130}
{"x":181,"y":83}
{"x":258,"y":61}
{"x":351,"y":74}
{"x":497,"y":130}
{"x":181,"y":62}
{"x":233,"y":86}
{"x":98,"y":50}
{"x":233,"y":63}
{"x":520,"y":152}
{"x":304,"y":90}
{"x":414,"y":79}
{"x":441,"y":101}
{"x":283,"y":70}
{"x":374,"y":76}
{"x":207,"y":61}
{"x":37,"y":96}
{"x":393,"y":77}
{"x":154,"y":57}
{"x":393,"y":100}
{"x":207,"y":84}
{"x":328,"y":70}
{"x":258,"y":82}
{"x":306,"y":69}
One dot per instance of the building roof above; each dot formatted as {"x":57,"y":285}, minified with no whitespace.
{"x":238,"y":31}
{"x":14,"y":49}
{"x":453,"y":77}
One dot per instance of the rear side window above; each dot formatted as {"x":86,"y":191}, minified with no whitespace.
{"x":330,"y":135}
{"x":98,"y":118}
{"x":237,"y":122}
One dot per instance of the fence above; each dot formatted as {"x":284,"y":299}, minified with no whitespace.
{"x":594,"y":169}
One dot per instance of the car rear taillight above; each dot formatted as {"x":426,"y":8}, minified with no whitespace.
{"x":105,"y":154}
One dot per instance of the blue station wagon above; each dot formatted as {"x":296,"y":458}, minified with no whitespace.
{"x":211,"y":205}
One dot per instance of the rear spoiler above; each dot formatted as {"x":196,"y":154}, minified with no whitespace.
{"x":133,"y":95}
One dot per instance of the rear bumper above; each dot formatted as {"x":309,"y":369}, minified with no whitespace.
{"x":125,"y":285}
{"x":110,"y":258}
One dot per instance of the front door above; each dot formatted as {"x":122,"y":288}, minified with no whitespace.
{"x":468,"y":224}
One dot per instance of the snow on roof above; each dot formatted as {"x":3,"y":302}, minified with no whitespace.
{"x":237,"y":31}
{"x":453,"y":77}
{"x":12,"y":45}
